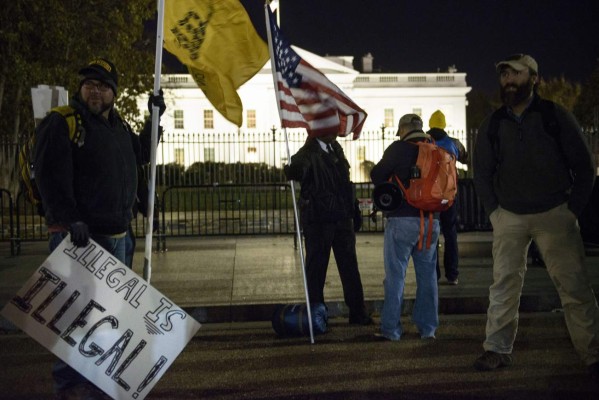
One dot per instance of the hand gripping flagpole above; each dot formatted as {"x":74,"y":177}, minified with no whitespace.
{"x":295,"y":213}
{"x":147,"y":273}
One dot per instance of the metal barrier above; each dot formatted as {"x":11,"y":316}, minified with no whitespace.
{"x":208,"y":210}
{"x":217,"y":210}
{"x":7,"y":225}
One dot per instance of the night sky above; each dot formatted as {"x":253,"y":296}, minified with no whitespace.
{"x":407,"y":36}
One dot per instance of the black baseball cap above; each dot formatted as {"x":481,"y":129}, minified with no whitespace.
{"x":103,"y":70}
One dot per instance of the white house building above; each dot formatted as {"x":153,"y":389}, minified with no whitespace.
{"x":384,"y":96}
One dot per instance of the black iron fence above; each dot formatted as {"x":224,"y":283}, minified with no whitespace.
{"x":229,"y":209}
{"x":233,"y":184}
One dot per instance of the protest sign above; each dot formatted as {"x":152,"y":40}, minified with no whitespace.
{"x":102,"y":319}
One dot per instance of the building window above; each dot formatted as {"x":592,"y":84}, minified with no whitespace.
{"x":209,"y":154}
{"x":389,"y":119}
{"x":251,"y":118}
{"x":208,"y":119}
{"x":180,"y":156}
{"x":179,"y":119}
{"x":417,"y":111}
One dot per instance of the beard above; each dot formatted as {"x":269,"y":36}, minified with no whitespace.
{"x":98,"y":106}
{"x":512,"y":98}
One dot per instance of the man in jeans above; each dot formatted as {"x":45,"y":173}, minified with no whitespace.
{"x":88,"y":189}
{"x":534,"y":185}
{"x":402,"y":233}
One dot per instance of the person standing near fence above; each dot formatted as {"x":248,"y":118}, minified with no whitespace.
{"x":402,"y":233}
{"x":328,"y":206}
{"x":88,"y":188}
{"x":448,"y":218}
{"x":534,"y":184}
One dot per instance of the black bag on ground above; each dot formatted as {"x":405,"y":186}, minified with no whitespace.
{"x":292,"y":319}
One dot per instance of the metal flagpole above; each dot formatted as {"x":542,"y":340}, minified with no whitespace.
{"x":154,"y":144}
{"x":295,"y":212}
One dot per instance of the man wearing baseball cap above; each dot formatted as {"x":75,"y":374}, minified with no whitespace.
{"x":534,"y":173}
{"x":402,"y":233}
{"x":89,"y":187}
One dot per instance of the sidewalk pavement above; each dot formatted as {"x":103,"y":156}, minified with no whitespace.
{"x":236,"y":279}
{"x":242,"y":278}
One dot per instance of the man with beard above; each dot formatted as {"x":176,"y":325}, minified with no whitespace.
{"x":534,"y":185}
{"x":88,"y":188}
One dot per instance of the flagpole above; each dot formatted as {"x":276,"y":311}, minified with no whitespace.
{"x":295,"y":212}
{"x":147,"y":272}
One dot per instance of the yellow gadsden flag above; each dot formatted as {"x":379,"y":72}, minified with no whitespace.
{"x":217,"y":42}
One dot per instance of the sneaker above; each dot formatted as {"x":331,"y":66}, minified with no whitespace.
{"x":452,"y":282}
{"x":380,"y":337}
{"x":491,"y":360}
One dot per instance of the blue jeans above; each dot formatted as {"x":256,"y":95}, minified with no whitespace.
{"x":65,"y":376}
{"x":401,"y":242}
{"x":130,"y":244}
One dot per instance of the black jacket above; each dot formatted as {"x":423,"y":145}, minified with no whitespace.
{"x":528,"y":171}
{"x":327,"y":193}
{"x":397,"y":160}
{"x":95,"y":183}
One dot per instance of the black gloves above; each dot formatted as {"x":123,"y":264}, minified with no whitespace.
{"x":157,"y":101}
{"x":79,"y":233}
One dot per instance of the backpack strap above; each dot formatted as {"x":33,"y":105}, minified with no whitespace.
{"x":429,"y":235}
{"x":548,"y":115}
{"x":74,"y":122}
{"x":493,"y":130}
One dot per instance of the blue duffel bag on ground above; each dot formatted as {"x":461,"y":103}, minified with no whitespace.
{"x":292,"y":319}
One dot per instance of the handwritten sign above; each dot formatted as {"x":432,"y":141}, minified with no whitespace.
{"x":102,"y":319}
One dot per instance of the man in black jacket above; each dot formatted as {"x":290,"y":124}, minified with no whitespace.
{"x":88,"y":188}
{"x":328,"y":206}
{"x":534,"y":185}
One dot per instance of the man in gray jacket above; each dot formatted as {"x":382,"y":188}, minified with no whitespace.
{"x":534,"y":181}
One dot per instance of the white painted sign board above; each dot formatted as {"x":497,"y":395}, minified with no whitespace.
{"x":102,"y":319}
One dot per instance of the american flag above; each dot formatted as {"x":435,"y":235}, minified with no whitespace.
{"x":307,"y":98}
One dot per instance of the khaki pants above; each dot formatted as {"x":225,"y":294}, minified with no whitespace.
{"x":557,"y":236}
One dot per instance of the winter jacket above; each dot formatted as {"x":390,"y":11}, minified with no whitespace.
{"x":443,"y":140}
{"x":327,"y":194}
{"x":528,"y":171}
{"x":397,"y":160}
{"x":95,"y":183}
{"x":452,"y":145}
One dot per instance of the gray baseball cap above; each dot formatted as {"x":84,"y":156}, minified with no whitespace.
{"x":519,"y":62}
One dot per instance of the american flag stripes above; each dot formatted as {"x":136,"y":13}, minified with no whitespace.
{"x":308,"y":99}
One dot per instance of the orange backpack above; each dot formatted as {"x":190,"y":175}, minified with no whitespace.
{"x":433,"y":183}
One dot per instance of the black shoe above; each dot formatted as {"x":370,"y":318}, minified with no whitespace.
{"x":362,"y":319}
{"x":491,"y":360}
{"x":380,"y":337}
{"x":86,"y":391}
